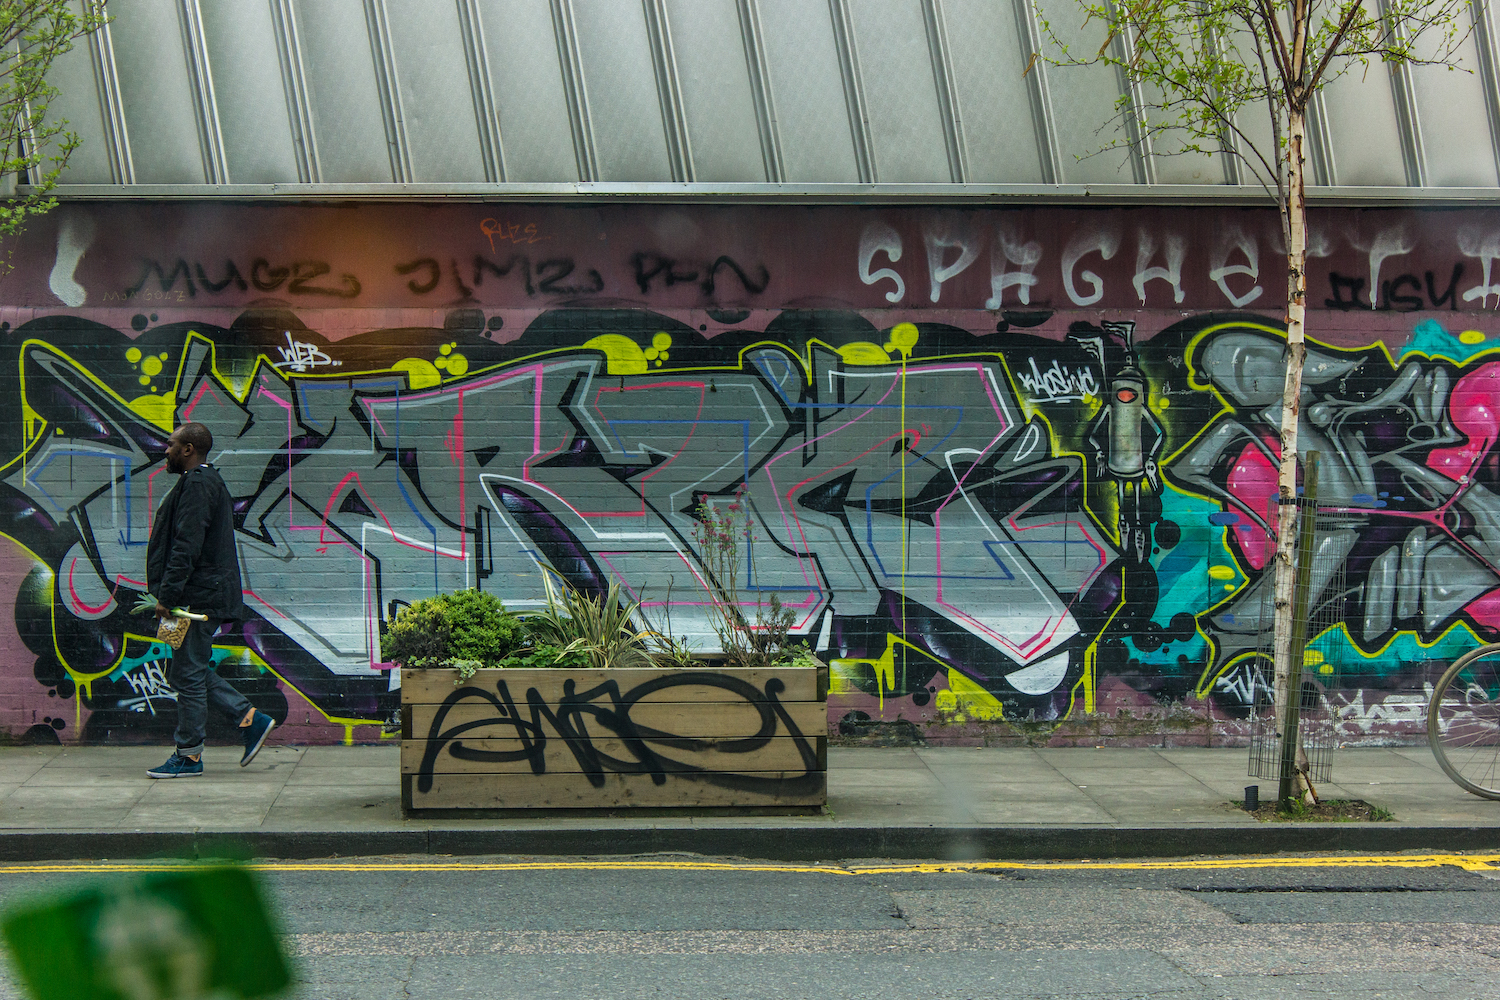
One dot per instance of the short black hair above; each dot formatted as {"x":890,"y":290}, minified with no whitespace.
{"x":197,"y":435}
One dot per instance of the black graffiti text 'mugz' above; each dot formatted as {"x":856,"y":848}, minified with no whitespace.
{"x":300,"y":277}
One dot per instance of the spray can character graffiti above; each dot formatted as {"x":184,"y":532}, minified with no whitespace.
{"x":1126,"y":437}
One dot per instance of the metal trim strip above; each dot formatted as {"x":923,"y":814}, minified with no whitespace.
{"x":482,"y":90}
{"x":388,"y":84}
{"x":1102,"y":195}
{"x":210,"y":135}
{"x":116,"y":133}
{"x":854,"y":92}
{"x":760,"y":89}
{"x":669,"y":91}
{"x":571,"y":64}
{"x":294,"y":84}
{"x":947,"y":94}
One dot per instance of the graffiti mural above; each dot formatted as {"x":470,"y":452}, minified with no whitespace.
{"x":978,"y":513}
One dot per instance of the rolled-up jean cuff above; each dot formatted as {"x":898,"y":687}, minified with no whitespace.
{"x":196,"y":751}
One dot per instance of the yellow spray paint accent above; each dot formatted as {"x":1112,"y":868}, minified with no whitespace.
{"x":883,"y":666}
{"x":1219,"y":571}
{"x":862,"y":352}
{"x":452,"y":363}
{"x":622,"y":356}
{"x":1089,"y":681}
{"x":419,"y":374}
{"x":968,"y":697}
{"x":903,"y":338}
{"x":1471,"y":337}
{"x":157,"y":409}
{"x":658,"y":352}
{"x":1468,"y":862}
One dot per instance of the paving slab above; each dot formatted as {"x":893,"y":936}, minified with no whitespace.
{"x":893,"y":801}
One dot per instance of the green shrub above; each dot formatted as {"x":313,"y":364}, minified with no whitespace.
{"x":600,"y":628}
{"x":546,"y":656}
{"x":467,"y":625}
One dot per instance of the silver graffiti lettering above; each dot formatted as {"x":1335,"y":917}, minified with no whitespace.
{"x":1059,"y":383}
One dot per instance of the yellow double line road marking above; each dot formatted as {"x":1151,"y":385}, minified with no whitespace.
{"x":1468,"y":862}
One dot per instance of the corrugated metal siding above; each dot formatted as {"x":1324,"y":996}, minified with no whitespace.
{"x":526,"y":92}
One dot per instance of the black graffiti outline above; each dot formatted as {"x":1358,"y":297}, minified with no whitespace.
{"x":301,"y":272}
{"x":166,"y":280}
{"x":1451,"y":295}
{"x":666,"y":268}
{"x":726,"y":261}
{"x":1339,"y":284}
{"x":304,"y":271}
{"x":565,"y":266}
{"x":568,"y":721}
{"x":231,"y":274}
{"x":483,"y":264}
{"x":434,"y":270}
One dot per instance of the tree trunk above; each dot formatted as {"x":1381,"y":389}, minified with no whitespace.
{"x":1291,"y":400}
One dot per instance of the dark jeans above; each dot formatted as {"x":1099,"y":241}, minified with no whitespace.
{"x":197,"y":685}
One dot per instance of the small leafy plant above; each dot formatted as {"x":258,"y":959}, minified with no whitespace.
{"x":599,"y":628}
{"x":466,"y":630}
{"x":544,"y":656}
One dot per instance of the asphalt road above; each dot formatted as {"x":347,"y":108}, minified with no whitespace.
{"x":1300,"y":928}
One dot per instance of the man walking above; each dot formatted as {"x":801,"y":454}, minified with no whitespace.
{"x":191,"y":563}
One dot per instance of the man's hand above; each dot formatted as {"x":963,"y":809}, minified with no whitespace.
{"x":162,"y":611}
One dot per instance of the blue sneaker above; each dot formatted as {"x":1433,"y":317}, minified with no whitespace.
{"x":178,"y":767}
{"x":260,"y":727}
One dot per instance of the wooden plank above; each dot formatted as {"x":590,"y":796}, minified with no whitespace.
{"x":559,"y":756}
{"x":432,"y":687}
{"x":701,"y":720}
{"x":573,"y":791}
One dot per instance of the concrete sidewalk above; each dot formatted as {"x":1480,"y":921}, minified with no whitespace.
{"x":958,"y":803}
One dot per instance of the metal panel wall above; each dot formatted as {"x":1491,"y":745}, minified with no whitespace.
{"x":436,"y":96}
{"x":812,"y":116}
{"x":1363,"y":130}
{"x":529,"y":92}
{"x":80,"y":102}
{"x":1455,"y":120}
{"x":1083,"y":99}
{"x":156,"y":92}
{"x":624,"y":104}
{"x":1363,"y":125}
{"x":253,"y":115}
{"x":345,"y":95}
{"x":994,"y":99}
{"x":196,"y":93}
{"x":1254,"y":122}
{"x":717,"y":97}
{"x":906,"y":126}
{"x":1171,"y":165}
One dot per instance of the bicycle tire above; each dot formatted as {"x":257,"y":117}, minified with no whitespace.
{"x":1463,"y":721}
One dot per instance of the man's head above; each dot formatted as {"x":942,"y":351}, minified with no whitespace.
{"x":188,"y":448}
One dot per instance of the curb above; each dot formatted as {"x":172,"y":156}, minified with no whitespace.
{"x":772,"y":843}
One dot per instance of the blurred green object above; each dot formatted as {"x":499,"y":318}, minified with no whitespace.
{"x":173,"y":936}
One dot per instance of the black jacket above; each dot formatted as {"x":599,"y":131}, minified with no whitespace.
{"x":191,"y":560}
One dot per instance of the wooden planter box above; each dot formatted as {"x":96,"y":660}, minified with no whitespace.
{"x":612,"y":739}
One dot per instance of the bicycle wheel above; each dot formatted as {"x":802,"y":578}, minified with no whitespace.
{"x":1463,"y":721}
